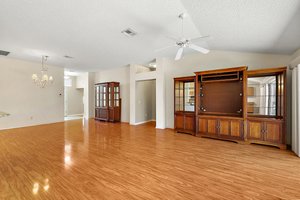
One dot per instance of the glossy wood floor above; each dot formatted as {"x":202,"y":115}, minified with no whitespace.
{"x":97,"y":160}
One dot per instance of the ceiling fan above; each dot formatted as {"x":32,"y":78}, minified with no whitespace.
{"x":185,"y":43}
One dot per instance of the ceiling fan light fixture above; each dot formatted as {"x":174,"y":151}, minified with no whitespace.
{"x":182,"y":15}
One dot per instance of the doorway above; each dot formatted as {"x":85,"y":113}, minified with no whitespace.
{"x":73,"y":98}
{"x":145,"y":101}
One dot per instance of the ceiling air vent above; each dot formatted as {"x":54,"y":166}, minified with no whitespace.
{"x":4,"y":53}
{"x":68,"y":57}
{"x":129,"y":32}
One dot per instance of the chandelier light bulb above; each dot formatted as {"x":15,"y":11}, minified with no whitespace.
{"x":34,"y":77}
{"x":45,"y":77}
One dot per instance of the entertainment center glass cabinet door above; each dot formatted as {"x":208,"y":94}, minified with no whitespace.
{"x":184,"y":104}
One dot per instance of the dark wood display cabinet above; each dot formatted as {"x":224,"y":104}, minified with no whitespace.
{"x":184,"y":104}
{"x":108,"y":101}
{"x":235,"y":104}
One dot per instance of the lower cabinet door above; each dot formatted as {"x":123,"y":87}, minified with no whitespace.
{"x":208,"y":126}
{"x":237,"y":128}
{"x":179,"y":121}
{"x":273,"y":132}
{"x":224,"y":127}
{"x":103,"y":113}
{"x":185,"y":122}
{"x":189,"y":122}
{"x":111,"y":114}
{"x":255,"y":130}
{"x":97,"y":113}
{"x":231,"y":128}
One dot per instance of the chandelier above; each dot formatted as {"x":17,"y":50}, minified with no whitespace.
{"x":42,"y":79}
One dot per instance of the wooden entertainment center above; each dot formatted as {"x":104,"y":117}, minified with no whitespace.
{"x":233,"y":104}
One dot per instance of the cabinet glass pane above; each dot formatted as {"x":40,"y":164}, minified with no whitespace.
{"x":116,"y":103}
{"x":262,"y":95}
{"x":189,"y":96}
{"x":116,"y":89}
{"x":179,"y":90}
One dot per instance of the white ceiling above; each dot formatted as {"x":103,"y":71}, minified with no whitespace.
{"x":90,"y":31}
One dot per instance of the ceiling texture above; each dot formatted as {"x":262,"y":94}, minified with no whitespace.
{"x":90,"y":31}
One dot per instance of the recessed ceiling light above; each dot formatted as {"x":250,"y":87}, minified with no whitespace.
{"x":129,"y":32}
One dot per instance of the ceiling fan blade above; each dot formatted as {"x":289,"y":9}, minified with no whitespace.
{"x":200,"y":37}
{"x":164,"y":48}
{"x":179,"y":53}
{"x":200,"y":49}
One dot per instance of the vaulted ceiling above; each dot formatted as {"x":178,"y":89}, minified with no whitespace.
{"x":90,"y":31}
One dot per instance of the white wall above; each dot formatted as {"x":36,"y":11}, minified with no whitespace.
{"x":26,"y":103}
{"x":153,"y":99}
{"x":119,"y":75}
{"x":74,"y":98}
{"x":145,"y":101}
{"x":86,"y":81}
{"x":91,"y":94}
{"x":295,"y":60}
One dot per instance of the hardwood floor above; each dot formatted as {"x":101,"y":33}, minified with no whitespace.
{"x":98,"y":160}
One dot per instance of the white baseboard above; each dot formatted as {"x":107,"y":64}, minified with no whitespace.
{"x":74,"y":115}
{"x":31,"y":125}
{"x":143,"y":122}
